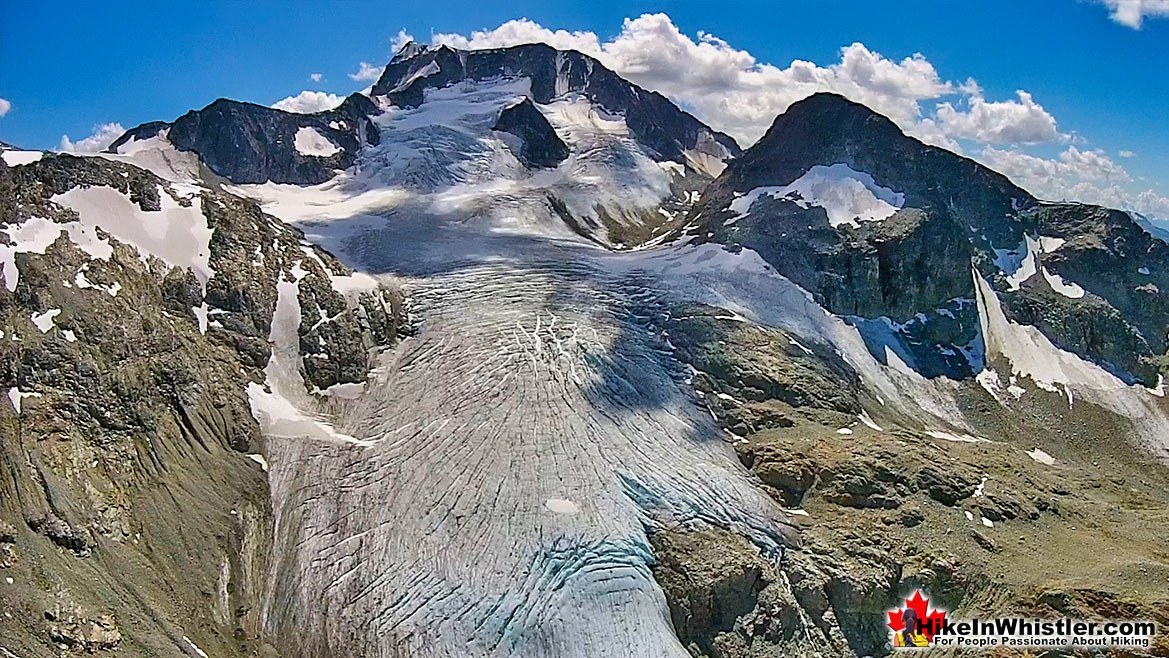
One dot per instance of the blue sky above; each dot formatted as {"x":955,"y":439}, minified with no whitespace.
{"x":73,"y":65}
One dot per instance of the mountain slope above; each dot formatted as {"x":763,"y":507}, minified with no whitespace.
{"x":138,"y":319}
{"x":857,"y":375}
{"x":884,"y":228}
{"x":247,"y":143}
{"x":655,"y":122}
{"x":574,"y":144}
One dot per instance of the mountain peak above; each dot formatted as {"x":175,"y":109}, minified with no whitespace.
{"x":653,"y":119}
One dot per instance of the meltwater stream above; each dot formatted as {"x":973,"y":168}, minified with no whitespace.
{"x":507,"y":462}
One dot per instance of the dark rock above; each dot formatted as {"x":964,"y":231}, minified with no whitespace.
{"x":946,"y":487}
{"x":7,"y":533}
{"x":711,"y":578}
{"x":909,"y":517}
{"x":984,"y":541}
{"x":248,"y":143}
{"x":539,"y":144}
{"x":77,"y":540}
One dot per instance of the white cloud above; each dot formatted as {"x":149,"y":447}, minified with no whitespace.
{"x":515,"y":32}
{"x":366,"y":72}
{"x":733,"y":92}
{"x":400,"y":39}
{"x":1042,"y":175}
{"x":1127,"y":154}
{"x":1132,"y":13}
{"x":5,"y":105}
{"x":1008,"y":122}
{"x":103,"y":135}
{"x":307,"y":102}
{"x":1075,"y":175}
{"x":316,"y":77}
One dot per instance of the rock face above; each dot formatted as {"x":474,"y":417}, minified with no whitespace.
{"x":655,"y":121}
{"x":540,"y":147}
{"x":131,"y":516}
{"x":890,"y":510}
{"x":247,"y":143}
{"x":887,"y":230}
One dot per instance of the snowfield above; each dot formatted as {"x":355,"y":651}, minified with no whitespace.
{"x":846,"y":195}
{"x":488,"y":491}
{"x":310,"y":142}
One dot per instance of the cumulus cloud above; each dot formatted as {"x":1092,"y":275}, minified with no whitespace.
{"x":5,"y":105}
{"x":1007,"y":122}
{"x":733,"y":92}
{"x":316,"y":77}
{"x":307,"y":102}
{"x":1127,"y":154}
{"x":103,"y":135}
{"x":1088,"y":176}
{"x":366,"y":72}
{"x":400,"y":39}
{"x":1132,"y":13}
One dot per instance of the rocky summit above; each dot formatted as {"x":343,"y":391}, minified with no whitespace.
{"x":513,"y":357}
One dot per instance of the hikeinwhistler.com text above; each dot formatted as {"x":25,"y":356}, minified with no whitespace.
{"x":1018,"y":632}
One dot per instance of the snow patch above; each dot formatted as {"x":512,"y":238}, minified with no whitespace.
{"x":35,"y":235}
{"x":1041,"y":457}
{"x":868,"y":421}
{"x":198,"y":652}
{"x":1048,"y":244}
{"x":44,"y":321}
{"x":17,"y":158}
{"x":1018,"y":264}
{"x":956,"y":438}
{"x":1063,"y":287}
{"x":846,"y":195}
{"x":309,"y":141}
{"x":15,"y":395}
{"x":177,"y":235}
{"x":561,"y":506}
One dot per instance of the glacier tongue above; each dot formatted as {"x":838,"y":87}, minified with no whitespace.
{"x":515,"y":451}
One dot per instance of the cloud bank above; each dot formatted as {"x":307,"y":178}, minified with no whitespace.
{"x":103,"y":135}
{"x":307,"y":102}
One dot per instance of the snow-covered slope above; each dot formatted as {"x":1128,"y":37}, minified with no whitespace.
{"x":492,"y":487}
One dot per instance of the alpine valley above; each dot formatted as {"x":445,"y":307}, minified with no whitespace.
{"x":513,"y":357}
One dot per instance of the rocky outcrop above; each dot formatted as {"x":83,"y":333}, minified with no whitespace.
{"x":248,"y":143}
{"x":127,"y":492}
{"x":905,"y":278}
{"x":539,"y":145}
{"x":654,"y":121}
{"x":754,"y":378}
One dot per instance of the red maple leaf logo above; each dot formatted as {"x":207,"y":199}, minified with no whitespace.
{"x":929,"y":620}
